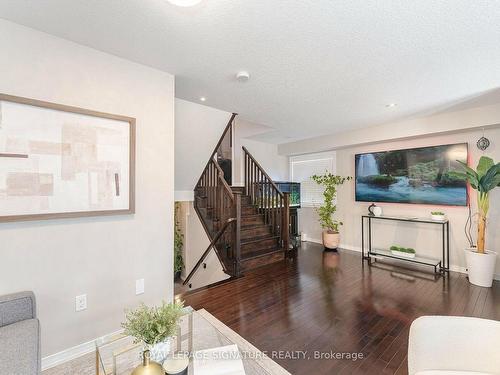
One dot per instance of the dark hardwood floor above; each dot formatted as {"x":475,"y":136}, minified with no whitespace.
{"x":325,"y":301}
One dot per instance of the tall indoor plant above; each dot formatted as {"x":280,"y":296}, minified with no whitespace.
{"x":486,"y":177}
{"x":331,"y":235}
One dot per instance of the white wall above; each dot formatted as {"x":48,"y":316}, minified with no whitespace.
{"x":439,"y":124}
{"x":425,"y":239}
{"x":308,"y":215}
{"x":266,"y":154}
{"x":195,"y":243}
{"x":99,"y":256}
{"x":198,"y":128}
{"x":243,"y":133}
{"x":462,"y":125}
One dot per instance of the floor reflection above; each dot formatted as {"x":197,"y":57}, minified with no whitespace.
{"x":329,"y":274}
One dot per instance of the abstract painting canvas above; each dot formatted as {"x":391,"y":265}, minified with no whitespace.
{"x":417,"y":175}
{"x":58,"y":161}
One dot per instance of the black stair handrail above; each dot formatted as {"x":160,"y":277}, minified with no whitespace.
{"x":205,"y":253}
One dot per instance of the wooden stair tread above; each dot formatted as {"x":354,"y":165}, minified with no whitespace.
{"x":258,"y":239}
{"x":255,"y":231}
{"x":261,"y":253}
{"x":252,"y":226}
{"x":251,"y":215}
{"x":249,"y":227}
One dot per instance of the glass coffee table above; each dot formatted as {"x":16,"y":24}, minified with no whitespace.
{"x":197,"y":330}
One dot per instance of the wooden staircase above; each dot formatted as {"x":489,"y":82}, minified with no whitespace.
{"x":259,"y":245}
{"x":248,"y":226}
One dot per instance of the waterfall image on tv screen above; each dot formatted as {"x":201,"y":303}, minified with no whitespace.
{"x":417,"y":175}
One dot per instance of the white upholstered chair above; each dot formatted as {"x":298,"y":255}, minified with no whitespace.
{"x":447,"y":345}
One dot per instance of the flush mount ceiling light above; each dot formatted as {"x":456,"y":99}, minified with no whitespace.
{"x":203,"y":99}
{"x":242,"y":76}
{"x":184,"y":3}
{"x":391,"y":105}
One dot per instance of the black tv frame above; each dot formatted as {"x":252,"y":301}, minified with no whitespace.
{"x":407,"y":149}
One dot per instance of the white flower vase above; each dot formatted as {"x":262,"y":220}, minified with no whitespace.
{"x":159,"y":352}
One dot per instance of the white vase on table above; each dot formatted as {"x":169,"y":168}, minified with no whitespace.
{"x":159,"y":351}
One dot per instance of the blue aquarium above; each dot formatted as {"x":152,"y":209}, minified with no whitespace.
{"x":417,"y":175}
{"x":293,"y":188}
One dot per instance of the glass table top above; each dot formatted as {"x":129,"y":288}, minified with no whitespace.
{"x":197,"y":330}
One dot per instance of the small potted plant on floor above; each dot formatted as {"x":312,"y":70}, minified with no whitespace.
{"x":438,"y":216}
{"x":154,"y":327}
{"x":486,"y":177}
{"x":331,"y":235}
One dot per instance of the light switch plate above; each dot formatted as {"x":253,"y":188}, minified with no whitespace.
{"x":81,"y":302}
{"x":139,"y":287}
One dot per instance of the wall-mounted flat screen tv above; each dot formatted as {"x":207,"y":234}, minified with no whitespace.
{"x":416,"y":175}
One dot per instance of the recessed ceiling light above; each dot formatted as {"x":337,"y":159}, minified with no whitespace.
{"x":391,"y":105}
{"x":203,"y":99}
{"x":184,"y":3}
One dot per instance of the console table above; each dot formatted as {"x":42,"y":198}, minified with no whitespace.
{"x":440,"y":265}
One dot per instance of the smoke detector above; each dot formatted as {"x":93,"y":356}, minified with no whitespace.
{"x":242,"y":76}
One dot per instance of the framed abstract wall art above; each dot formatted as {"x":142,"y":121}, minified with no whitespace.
{"x":58,"y":161}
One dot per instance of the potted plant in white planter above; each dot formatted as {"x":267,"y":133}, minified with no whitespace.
{"x":331,"y":235}
{"x":438,"y":216}
{"x":154,"y":327}
{"x":405,"y":252}
{"x":486,"y":177}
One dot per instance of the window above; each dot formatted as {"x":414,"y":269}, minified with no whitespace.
{"x":301,"y":170}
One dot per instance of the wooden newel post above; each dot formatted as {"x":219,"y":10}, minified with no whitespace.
{"x":285,"y":220}
{"x":237,"y":234}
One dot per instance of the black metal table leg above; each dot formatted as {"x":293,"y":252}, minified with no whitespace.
{"x":369,"y":236}
{"x":447,"y":245}
{"x":443,"y":259}
{"x":362,"y":240}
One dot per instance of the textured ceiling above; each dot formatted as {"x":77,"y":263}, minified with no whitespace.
{"x":317,"y":66}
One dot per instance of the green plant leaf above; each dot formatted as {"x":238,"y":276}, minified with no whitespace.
{"x":468,"y":169}
{"x":491,"y":179}
{"x":326,"y":211}
{"x":472,"y":176}
{"x":484,"y":164}
{"x":151,"y":325}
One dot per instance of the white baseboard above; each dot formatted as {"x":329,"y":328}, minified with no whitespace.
{"x":453,"y":267}
{"x":306,"y":238}
{"x":75,"y":352}
{"x":352,"y":248}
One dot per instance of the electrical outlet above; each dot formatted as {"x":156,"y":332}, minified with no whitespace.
{"x":139,"y":287}
{"x":81,"y":302}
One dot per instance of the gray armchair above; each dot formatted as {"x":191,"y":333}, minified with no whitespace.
{"x":19,"y":335}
